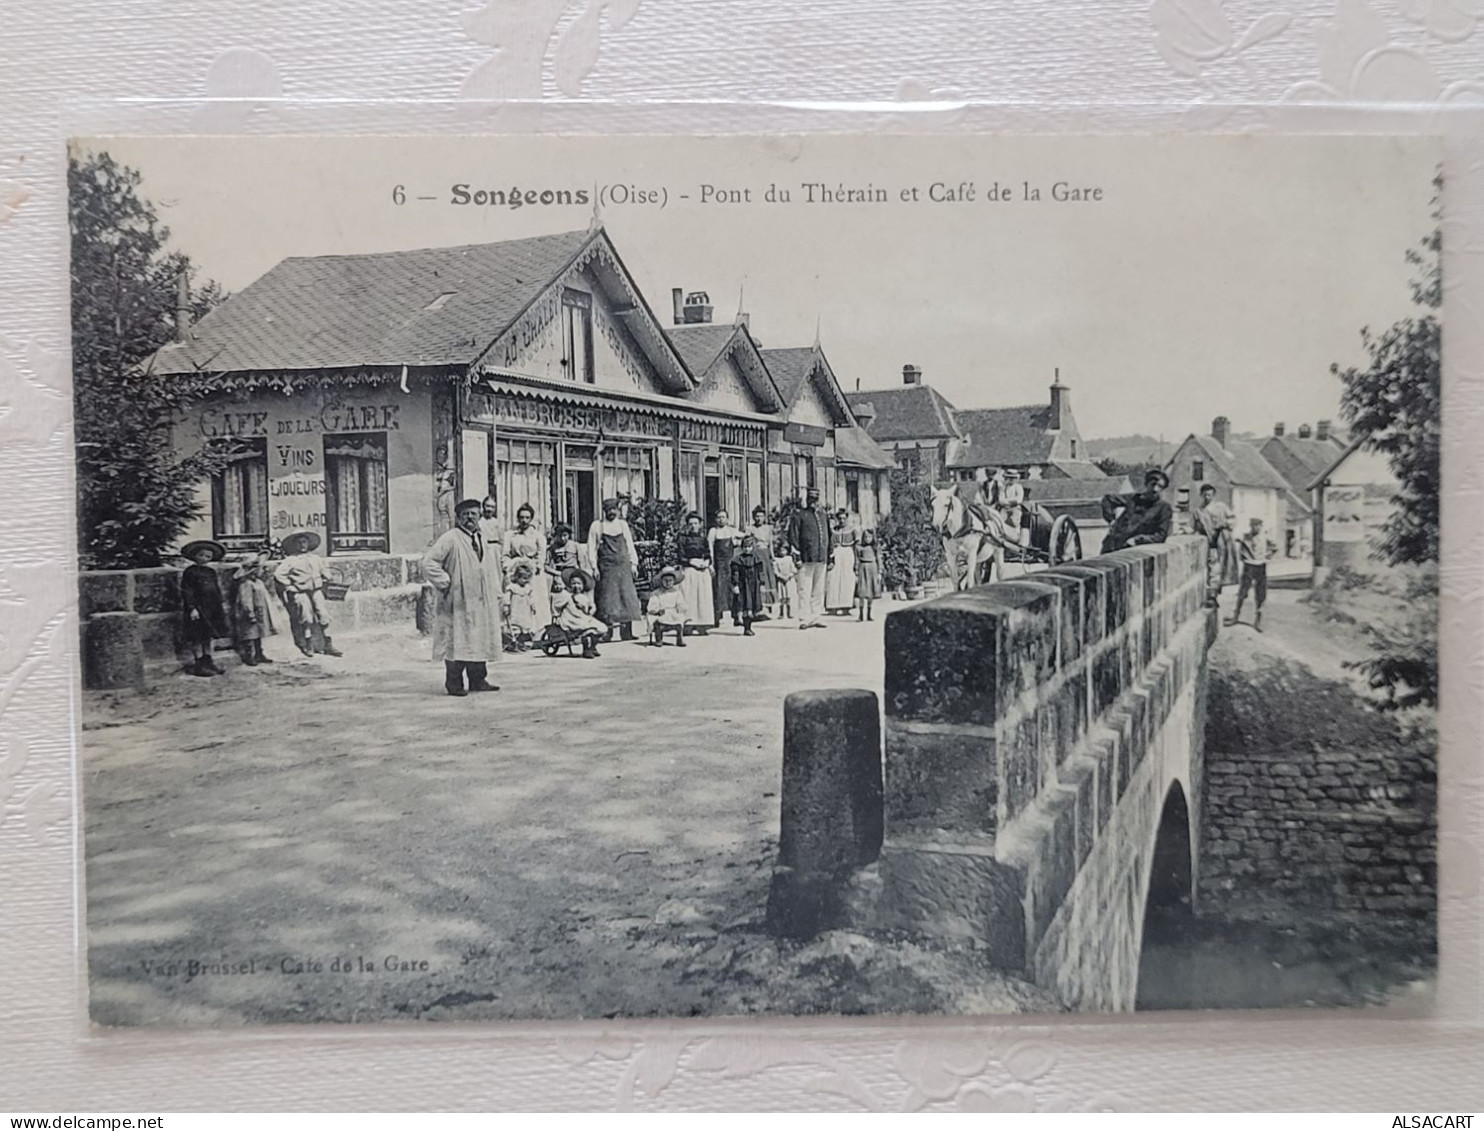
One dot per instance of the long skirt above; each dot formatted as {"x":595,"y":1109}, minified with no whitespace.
{"x":839,"y":586}
{"x":868,"y":581}
{"x":700,"y":603}
{"x":769,"y":579}
{"x":722,"y":550}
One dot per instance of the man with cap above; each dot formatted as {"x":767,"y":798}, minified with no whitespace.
{"x":301,"y":581}
{"x":1214,"y":521}
{"x":809,"y":536}
{"x":466,"y":625}
{"x":1139,"y":519}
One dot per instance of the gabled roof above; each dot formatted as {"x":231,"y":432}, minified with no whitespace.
{"x":1239,"y":461}
{"x":438,"y":306}
{"x":791,"y":367}
{"x":1078,"y":469}
{"x":855,"y":448}
{"x":1334,"y":465}
{"x":1298,"y":459}
{"x":907,"y":412}
{"x":1074,"y":490}
{"x":703,"y":346}
{"x":1003,"y":437}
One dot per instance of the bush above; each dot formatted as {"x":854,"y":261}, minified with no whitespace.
{"x":656,"y":524}
{"x":911,"y":550}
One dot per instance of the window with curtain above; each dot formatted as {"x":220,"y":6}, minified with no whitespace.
{"x":690,"y":479}
{"x":577,"y":336}
{"x":239,"y":492}
{"x":732,"y":488}
{"x":628,"y":473}
{"x":525,"y":472}
{"x":355,"y":486}
{"x":754,"y":485}
{"x":786,"y":480}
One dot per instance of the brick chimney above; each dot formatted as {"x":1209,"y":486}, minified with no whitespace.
{"x":1278,"y":428}
{"x":182,"y":307}
{"x":911,"y":375}
{"x":677,"y":302}
{"x":1305,"y":432}
{"x":1060,"y":403}
{"x":1321,"y":430}
{"x":1221,"y":429}
{"x":697,"y":308}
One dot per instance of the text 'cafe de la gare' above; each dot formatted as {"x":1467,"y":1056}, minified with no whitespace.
{"x":361,"y":396}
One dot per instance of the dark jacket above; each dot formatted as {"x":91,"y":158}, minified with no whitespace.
{"x":201,"y":602}
{"x":688,"y":546}
{"x":1140,"y":518}
{"x":747,"y":583}
{"x":809,"y":534}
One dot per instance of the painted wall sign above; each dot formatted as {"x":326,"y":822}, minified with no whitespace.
{"x":575,"y":418}
{"x":1344,"y":514}
{"x":809,"y":434}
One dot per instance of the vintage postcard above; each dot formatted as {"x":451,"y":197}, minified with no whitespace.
{"x":554,"y":578}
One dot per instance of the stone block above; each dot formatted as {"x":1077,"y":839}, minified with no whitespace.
{"x":831,"y":799}
{"x":112,"y":654}
{"x":941,"y":778}
{"x":1069,"y":615}
{"x":102,"y":591}
{"x":157,"y":590}
{"x":1107,"y":679}
{"x":1020,"y":766}
{"x":1094,"y":578}
{"x":159,"y":636}
{"x":373,"y":607}
{"x":381,"y":571}
{"x":955,"y":893}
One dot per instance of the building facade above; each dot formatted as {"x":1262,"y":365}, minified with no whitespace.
{"x":1298,"y":457}
{"x":1244,"y":481}
{"x":1351,"y":499}
{"x":1040,"y":441}
{"x":912,"y":422}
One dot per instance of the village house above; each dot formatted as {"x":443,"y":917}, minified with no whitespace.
{"x":360,"y":396}
{"x":1041,"y":441}
{"x":1244,"y":481}
{"x":911,"y":421}
{"x":1351,"y":498}
{"x":1298,"y":457}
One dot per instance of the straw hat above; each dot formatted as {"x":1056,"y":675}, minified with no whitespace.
{"x":191,"y":549}
{"x":301,"y":542}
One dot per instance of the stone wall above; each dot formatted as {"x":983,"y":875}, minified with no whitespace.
{"x":1034,"y":730}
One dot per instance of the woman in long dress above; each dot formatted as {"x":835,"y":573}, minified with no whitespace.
{"x":610,"y":544}
{"x":694,"y":551}
{"x":762,"y":530}
{"x":725,"y":540}
{"x":526,"y":543}
{"x":839,"y":589}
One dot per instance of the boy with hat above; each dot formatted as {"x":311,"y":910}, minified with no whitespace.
{"x":201,"y":603}
{"x":667,"y":611}
{"x":301,"y":578}
{"x":466,"y":624}
{"x":1139,"y":519}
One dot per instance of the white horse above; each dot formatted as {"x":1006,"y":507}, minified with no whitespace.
{"x":973,"y":538}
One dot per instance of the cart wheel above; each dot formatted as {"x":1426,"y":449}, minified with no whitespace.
{"x":1066,"y":540}
{"x":550,"y":649}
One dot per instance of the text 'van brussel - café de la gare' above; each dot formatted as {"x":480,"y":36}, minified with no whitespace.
{"x":361,"y":396}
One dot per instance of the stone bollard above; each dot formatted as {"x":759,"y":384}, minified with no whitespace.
{"x":112,"y":651}
{"x":831,"y":818}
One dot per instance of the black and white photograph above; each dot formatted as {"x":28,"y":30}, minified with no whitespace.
{"x":556,"y":578}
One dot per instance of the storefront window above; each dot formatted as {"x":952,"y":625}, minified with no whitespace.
{"x":732,"y":487}
{"x":239,"y":492}
{"x":628,"y":473}
{"x":754,"y":484}
{"x":525,"y":472}
{"x":690,"y":480}
{"x":786,"y":475}
{"x":355,"y":483}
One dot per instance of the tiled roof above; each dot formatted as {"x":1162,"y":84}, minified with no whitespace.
{"x":855,"y":448}
{"x":700,"y":344}
{"x":432,"y":306}
{"x":1078,"y":469}
{"x":1074,"y":490}
{"x":790,"y":369}
{"x":1298,"y":459}
{"x":1003,"y":437}
{"x":1241,"y":463}
{"x":907,"y":412}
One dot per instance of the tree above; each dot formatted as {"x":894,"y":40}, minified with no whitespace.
{"x":1396,"y":404}
{"x":134,"y":495}
{"x":911,"y":550}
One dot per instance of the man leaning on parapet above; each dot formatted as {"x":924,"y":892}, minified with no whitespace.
{"x":1140,"y":519}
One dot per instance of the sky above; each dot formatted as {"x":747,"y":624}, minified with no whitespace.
{"x":1214,"y":276}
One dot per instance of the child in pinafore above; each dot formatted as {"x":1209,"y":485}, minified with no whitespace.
{"x":746,"y":570}
{"x":201,"y":604}
{"x":572,"y":607}
{"x":867,"y":574}
{"x":252,"y":609}
{"x":522,"y":617}
{"x":784,"y":569}
{"x":667,"y":611}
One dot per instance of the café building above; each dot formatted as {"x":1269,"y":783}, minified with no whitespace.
{"x":360,"y":396}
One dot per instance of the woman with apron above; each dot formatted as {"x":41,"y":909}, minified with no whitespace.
{"x":610,"y":544}
{"x":839,"y":589}
{"x":527,"y":543}
{"x":694,"y":552}
{"x":724,"y":540}
{"x":762,"y":530}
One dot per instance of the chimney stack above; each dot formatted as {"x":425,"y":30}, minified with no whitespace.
{"x":911,"y":375}
{"x":1059,"y":402}
{"x":1305,"y":432}
{"x":1278,"y":428}
{"x":1321,"y":430}
{"x":182,"y":307}
{"x":677,"y":301}
{"x":697,"y":308}
{"x":1221,"y":429}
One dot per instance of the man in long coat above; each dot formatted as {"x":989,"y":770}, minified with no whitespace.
{"x":466,"y":625}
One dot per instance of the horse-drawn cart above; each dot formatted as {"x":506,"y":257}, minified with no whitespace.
{"x":981,"y":537}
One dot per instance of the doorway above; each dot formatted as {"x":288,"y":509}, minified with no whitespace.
{"x":713,"y":496}
{"x":581,"y":489}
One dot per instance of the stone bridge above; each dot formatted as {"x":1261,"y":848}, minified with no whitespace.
{"x":1042,"y":774}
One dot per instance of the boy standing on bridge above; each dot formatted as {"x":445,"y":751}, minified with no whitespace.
{"x":1254,"y":550}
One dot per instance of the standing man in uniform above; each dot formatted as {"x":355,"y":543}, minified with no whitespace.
{"x":466,"y":625}
{"x":809,"y":536}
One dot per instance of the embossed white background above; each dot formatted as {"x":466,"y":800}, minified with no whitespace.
{"x":80,"y":66}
